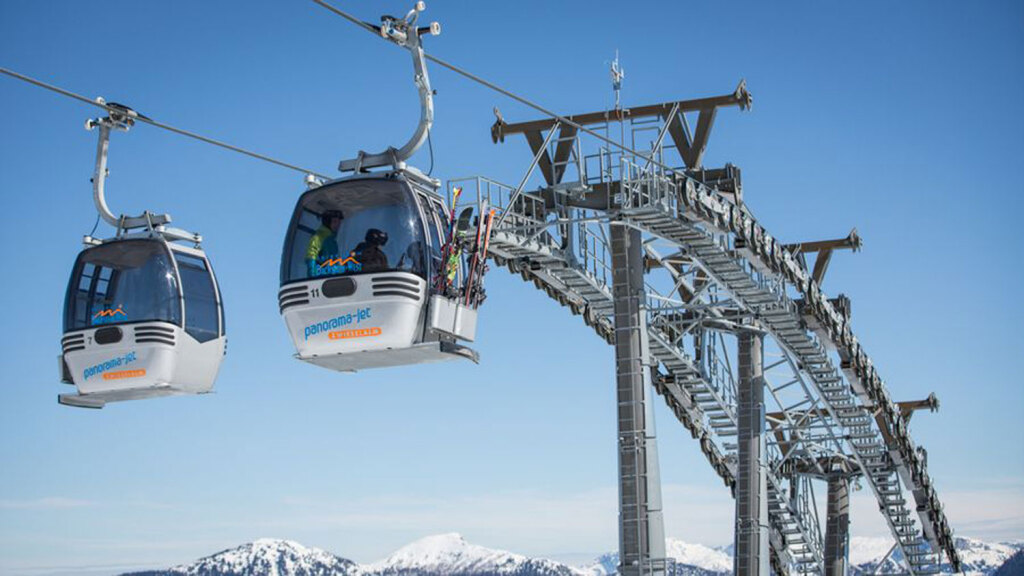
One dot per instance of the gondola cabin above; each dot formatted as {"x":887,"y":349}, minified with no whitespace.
{"x":142,"y":318}
{"x":357,"y":272}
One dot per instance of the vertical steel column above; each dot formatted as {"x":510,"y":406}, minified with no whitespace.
{"x":752,"y":481}
{"x":641,"y":526}
{"x":837,"y":526}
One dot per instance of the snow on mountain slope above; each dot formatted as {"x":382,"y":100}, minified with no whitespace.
{"x":448,"y":554}
{"x":983,"y":557}
{"x":602,"y":566}
{"x":451,"y":555}
{"x":864,"y":550}
{"x":1012,"y":567}
{"x":698,"y":555}
{"x":690,"y":560}
{"x":979,"y":558}
{"x":265,"y":557}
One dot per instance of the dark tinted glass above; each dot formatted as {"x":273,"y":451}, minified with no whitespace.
{"x":436,"y":217}
{"x":127,"y":281}
{"x":379,"y":230}
{"x":200,"y":297}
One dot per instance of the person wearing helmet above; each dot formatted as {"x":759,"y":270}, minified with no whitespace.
{"x":370,"y":253}
{"x":323,"y":245}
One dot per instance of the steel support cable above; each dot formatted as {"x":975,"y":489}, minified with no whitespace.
{"x":160,"y":125}
{"x":563,"y":119}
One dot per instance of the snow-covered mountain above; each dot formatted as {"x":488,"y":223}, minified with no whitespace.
{"x":451,"y":555}
{"x":265,"y":557}
{"x":1012,"y":567}
{"x":689,"y":560}
{"x":604,"y":564}
{"x":698,"y":556}
{"x":979,"y":558}
{"x":984,"y":557}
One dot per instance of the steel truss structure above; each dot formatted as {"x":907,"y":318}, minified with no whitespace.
{"x":727,"y":324}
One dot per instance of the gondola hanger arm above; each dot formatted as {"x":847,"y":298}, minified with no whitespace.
{"x":405,"y":33}
{"x":120,"y":118}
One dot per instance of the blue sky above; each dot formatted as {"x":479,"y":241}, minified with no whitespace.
{"x":898,"y":119}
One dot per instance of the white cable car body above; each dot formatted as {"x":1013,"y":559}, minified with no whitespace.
{"x":362,"y":253}
{"x":354,"y":305}
{"x":143,"y":316}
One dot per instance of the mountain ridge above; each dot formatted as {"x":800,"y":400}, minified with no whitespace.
{"x":451,"y":555}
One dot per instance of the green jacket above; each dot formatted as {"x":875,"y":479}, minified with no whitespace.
{"x":322,"y":245}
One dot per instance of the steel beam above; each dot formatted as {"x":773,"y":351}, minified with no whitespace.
{"x":538,"y":145}
{"x":852,"y":241}
{"x":740,"y":97}
{"x":752,"y":481}
{"x":837,"y":526}
{"x":692,"y":148}
{"x":641,"y":525}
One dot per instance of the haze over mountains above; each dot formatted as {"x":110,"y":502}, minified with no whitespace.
{"x":451,"y":555}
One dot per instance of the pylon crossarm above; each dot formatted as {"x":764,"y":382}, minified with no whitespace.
{"x":740,"y":97}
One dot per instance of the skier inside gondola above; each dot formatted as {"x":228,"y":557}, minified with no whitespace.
{"x":369,"y":252}
{"x":323,"y":245}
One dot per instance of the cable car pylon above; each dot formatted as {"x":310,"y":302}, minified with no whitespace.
{"x":143,"y":316}
{"x":806,"y":404}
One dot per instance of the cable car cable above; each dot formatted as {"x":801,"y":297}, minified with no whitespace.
{"x":139,"y":117}
{"x":559,"y":118}
{"x":563,"y":119}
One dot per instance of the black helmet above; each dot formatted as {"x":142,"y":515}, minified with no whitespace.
{"x":329,"y":215}
{"x":375,"y":236}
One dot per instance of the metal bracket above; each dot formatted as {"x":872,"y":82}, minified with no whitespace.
{"x":406,"y":34}
{"x":824,"y":250}
{"x":313,"y":181}
{"x":907,"y":408}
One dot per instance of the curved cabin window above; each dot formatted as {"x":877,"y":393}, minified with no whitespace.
{"x":201,"y":316}
{"x":126,"y":281}
{"x":436,"y":217}
{"x":354,"y":227}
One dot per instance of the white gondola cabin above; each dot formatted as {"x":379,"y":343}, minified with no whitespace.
{"x":370,"y":263}
{"x":142,"y":318}
{"x":357,"y":275}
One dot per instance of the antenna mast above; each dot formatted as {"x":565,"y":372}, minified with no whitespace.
{"x":617,"y":73}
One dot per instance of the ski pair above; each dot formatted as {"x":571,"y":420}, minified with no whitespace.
{"x":449,"y":249}
{"x":474,"y":291}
